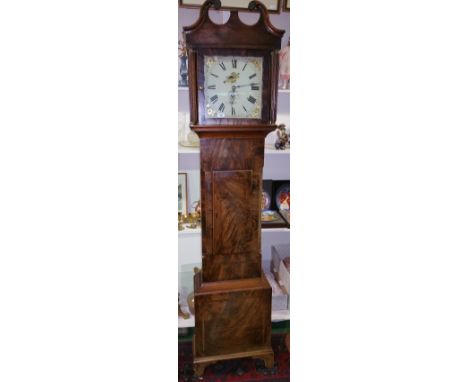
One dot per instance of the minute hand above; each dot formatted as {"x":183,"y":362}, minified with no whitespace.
{"x":240,"y":86}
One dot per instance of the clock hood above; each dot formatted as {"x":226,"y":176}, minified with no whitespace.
{"x":204,"y":33}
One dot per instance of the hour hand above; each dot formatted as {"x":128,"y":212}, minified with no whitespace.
{"x":252,"y":84}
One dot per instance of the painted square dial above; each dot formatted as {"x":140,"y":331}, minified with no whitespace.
{"x":233,"y":86}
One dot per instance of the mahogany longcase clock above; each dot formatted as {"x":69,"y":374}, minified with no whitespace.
{"x":233,"y":71}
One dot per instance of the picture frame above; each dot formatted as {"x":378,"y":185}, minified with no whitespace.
{"x":273,"y":6}
{"x":272,"y":219}
{"x":286,"y":5}
{"x":182,"y":193}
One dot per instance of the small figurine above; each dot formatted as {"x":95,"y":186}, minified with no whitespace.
{"x":284,"y":67}
{"x":197,"y":206}
{"x":183,"y":71}
{"x":283,"y":138}
{"x":181,"y":313}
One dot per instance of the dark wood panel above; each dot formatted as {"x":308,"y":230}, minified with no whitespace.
{"x":234,"y":153}
{"x":229,"y":267}
{"x":235,"y":222}
{"x":231,"y":178}
{"x":230,"y":320}
{"x":234,"y":33}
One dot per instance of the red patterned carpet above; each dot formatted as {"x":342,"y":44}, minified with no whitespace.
{"x":245,"y":370}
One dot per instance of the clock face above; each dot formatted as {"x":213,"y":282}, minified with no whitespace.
{"x":233,"y":86}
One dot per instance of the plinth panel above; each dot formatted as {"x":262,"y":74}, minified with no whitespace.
{"x":233,"y":317}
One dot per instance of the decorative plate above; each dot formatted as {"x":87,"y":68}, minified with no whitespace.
{"x":266,"y":201}
{"x":282,"y":197}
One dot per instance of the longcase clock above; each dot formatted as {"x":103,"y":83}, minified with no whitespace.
{"x":233,"y":71}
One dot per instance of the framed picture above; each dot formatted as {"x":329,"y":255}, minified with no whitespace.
{"x":183,"y":201}
{"x":286,"y":5}
{"x":272,"y":219}
{"x":273,"y":6}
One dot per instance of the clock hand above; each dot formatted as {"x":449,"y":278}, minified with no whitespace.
{"x":240,"y":86}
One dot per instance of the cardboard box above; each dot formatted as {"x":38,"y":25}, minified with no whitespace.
{"x":280,"y":299}
{"x":284,"y":274}
{"x":280,"y":265}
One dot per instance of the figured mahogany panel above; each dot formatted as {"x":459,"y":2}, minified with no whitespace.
{"x":233,"y":317}
{"x":235,"y":223}
{"x":232,"y":267}
{"x":231,"y":179}
{"x":233,"y":153}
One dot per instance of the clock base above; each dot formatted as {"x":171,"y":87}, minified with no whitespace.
{"x":200,"y":363}
{"x":232,"y":320}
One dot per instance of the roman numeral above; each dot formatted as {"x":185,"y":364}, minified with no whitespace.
{"x":251,"y":99}
{"x":254,"y":87}
{"x":214,"y":75}
{"x":234,"y":63}
{"x":214,"y":98}
{"x":222,"y":66}
{"x":253,"y":75}
{"x":233,"y":111}
{"x":245,"y":109}
{"x":211,"y":86}
{"x":244,"y":66}
{"x":221,"y":107}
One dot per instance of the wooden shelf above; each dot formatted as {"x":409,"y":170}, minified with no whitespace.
{"x":188,"y":150}
{"x":190,"y":231}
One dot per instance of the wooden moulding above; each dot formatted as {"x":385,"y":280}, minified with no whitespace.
{"x":206,"y":33}
{"x":233,"y":131}
{"x":229,"y":285}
